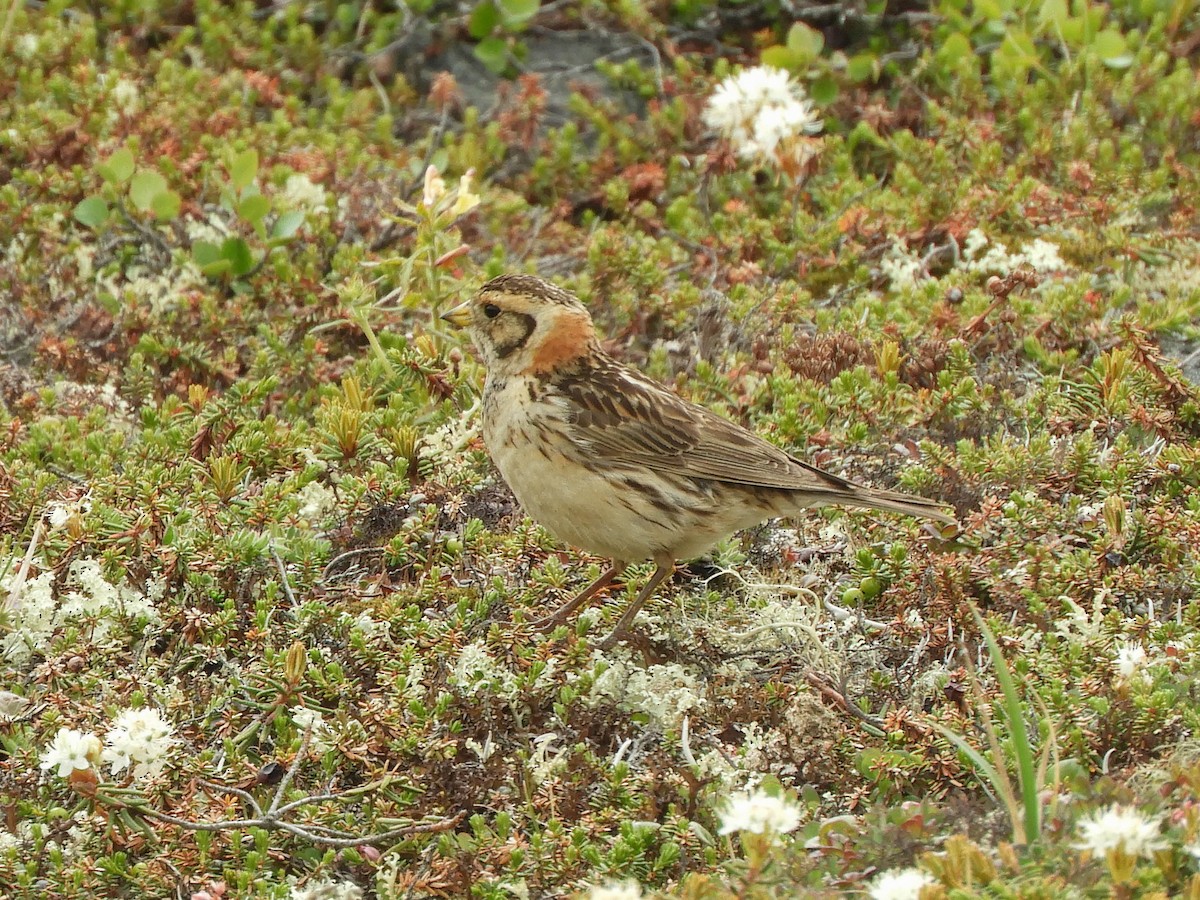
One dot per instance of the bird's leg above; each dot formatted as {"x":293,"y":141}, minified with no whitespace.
{"x":560,"y":615}
{"x":666,"y":567}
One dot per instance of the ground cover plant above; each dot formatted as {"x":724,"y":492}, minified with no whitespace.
{"x":264,"y":615}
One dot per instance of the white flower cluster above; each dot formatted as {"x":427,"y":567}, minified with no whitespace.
{"x":616,"y":890}
{"x":99,"y":598}
{"x":34,"y":616}
{"x":1122,"y":829}
{"x":758,"y":812}
{"x":30,"y":610}
{"x":70,"y":750}
{"x":765,"y":115}
{"x":139,"y":740}
{"x":443,"y":447}
{"x":900,"y":884}
{"x":1131,"y":662}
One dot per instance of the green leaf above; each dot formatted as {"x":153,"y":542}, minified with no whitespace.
{"x":805,"y":42}
{"x":166,"y":205}
{"x":484,"y":19}
{"x":243,"y":168}
{"x":118,"y":167}
{"x":237,"y":251}
{"x":779,"y":57}
{"x":253,"y":208}
{"x":209,"y":258}
{"x":823,"y":91}
{"x":145,"y":186}
{"x":1110,"y":46}
{"x":1073,"y":30}
{"x":862,"y":67}
{"x":1053,"y":13}
{"x":515,"y":13}
{"x":1014,"y":711}
{"x":956,"y":47}
{"x":92,"y":212}
{"x":287,"y":225}
{"x":493,"y":53}
{"x":1013,"y":59}
{"x":989,"y":10}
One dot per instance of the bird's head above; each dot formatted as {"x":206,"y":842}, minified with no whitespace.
{"x":523,"y":325}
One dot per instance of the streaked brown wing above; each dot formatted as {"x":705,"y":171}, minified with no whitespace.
{"x":622,"y":416}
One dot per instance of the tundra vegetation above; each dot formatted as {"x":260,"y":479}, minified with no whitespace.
{"x":264,"y":615}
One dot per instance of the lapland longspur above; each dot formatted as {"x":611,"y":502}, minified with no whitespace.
{"x":612,"y":462}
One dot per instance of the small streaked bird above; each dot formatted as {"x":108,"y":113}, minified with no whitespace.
{"x":614,"y":463}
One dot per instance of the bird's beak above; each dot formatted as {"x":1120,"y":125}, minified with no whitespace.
{"x":460,"y":316}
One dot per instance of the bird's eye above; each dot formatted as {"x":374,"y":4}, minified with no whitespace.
{"x":491,"y":310}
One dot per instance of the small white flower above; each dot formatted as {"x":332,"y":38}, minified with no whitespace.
{"x":901,"y":884}
{"x":1130,"y":662}
{"x":140,"y":738}
{"x":464,"y":200}
{"x":30,"y":611}
{"x":1120,"y":828}
{"x":760,"y":813}
{"x":59,"y":512}
{"x":434,"y":188}
{"x":70,"y":750}
{"x":319,"y":738}
{"x":616,"y":890}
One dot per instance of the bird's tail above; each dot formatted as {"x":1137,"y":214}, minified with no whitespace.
{"x":894,"y":501}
